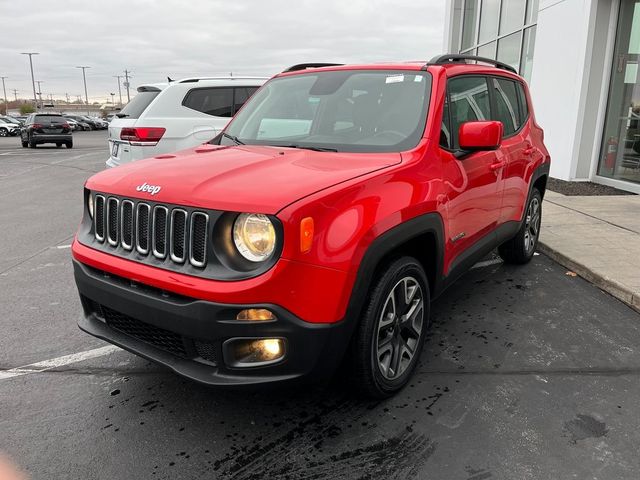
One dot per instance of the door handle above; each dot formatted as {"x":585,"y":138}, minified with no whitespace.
{"x":497,"y":166}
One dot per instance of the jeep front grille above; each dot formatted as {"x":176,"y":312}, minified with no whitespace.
{"x":166,"y":232}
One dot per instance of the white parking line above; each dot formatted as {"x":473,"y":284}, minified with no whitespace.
{"x":63,"y":246}
{"x":58,"y":362}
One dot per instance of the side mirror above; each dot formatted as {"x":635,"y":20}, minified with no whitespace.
{"x":481,"y":135}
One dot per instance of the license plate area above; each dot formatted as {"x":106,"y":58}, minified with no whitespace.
{"x":114,"y":149}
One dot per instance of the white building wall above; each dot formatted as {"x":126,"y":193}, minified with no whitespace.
{"x":559,"y":83}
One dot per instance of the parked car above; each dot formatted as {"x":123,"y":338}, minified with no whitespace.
{"x":75,"y":126}
{"x":164,"y":118}
{"x":41,"y":128}
{"x":21,"y":118}
{"x":85,"y":120}
{"x":8,"y":128}
{"x":12,"y":119}
{"x":314,"y":232}
{"x":100,"y":123}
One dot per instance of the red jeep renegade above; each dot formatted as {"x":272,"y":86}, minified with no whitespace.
{"x":318,"y":227}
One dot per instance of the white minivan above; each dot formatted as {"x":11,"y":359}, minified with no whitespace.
{"x":168,"y":117}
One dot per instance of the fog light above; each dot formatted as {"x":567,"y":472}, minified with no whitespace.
{"x":255,"y":315}
{"x":253,"y":352}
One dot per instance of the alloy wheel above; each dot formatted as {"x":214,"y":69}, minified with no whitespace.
{"x":399,"y":328}
{"x":532,"y":225}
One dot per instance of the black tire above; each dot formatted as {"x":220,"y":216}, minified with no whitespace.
{"x":69,"y":144}
{"x":4,"y":132}
{"x":58,"y":145}
{"x":24,"y":144}
{"x":32,"y":142}
{"x":369,"y":375}
{"x":520,"y":249}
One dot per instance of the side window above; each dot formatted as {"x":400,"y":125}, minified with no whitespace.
{"x":507,"y":111}
{"x":212,"y":101}
{"x":242,"y":94}
{"x":445,"y":132}
{"x":469,"y":97}
{"x":522,"y":100}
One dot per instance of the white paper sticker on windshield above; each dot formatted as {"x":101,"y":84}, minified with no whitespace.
{"x":418,"y":78}
{"x":394,"y":79}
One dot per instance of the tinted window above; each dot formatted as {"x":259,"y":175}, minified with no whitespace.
{"x":212,"y":101}
{"x":138,"y":104}
{"x":49,"y":119}
{"x":522,"y":101}
{"x":507,"y":110}
{"x":469,"y":102}
{"x":347,"y":110}
{"x":242,"y":94}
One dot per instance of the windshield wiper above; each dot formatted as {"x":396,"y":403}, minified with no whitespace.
{"x":233,"y":138}
{"x":310,"y":147}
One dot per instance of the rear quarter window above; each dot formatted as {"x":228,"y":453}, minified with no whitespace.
{"x":217,"y":101}
{"x":138,"y":104}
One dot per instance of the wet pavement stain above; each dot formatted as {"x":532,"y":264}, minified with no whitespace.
{"x":585,"y":426}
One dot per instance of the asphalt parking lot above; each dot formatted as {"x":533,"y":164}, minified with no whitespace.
{"x":528,"y":373}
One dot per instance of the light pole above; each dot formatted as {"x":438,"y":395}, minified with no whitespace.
{"x":113,"y":100}
{"x":119,"y":88}
{"x":40,"y":91}
{"x":33,"y":81}
{"x":84,"y":78}
{"x":6,"y":104}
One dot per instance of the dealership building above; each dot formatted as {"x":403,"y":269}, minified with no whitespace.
{"x":580,"y":58}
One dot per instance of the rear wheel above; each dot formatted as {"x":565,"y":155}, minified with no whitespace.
{"x":32,"y":142}
{"x":390,"y":336}
{"x":69,"y":144}
{"x":24,"y":144}
{"x":521,"y":247}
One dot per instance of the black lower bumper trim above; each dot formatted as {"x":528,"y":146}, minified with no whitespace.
{"x":187,"y":334}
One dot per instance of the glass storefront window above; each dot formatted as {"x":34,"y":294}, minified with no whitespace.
{"x":532,"y":12}
{"x":526,"y":60}
{"x":469,"y":21}
{"x":620,"y":152}
{"x":512,"y":15}
{"x":489,"y":18}
{"x":488,"y":50}
{"x":509,"y":49}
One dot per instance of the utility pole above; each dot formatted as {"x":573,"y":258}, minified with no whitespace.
{"x":67,"y":95}
{"x":33,"y":82}
{"x":6,"y":104}
{"x":40,"y":91}
{"x":126,"y":84}
{"x":113,"y":101}
{"x":15,"y":94}
{"x":119,"y":89}
{"x":84,"y":78}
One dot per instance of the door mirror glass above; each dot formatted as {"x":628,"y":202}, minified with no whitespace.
{"x":483,"y":135}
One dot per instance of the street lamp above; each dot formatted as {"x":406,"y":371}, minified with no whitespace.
{"x":33,"y":81}
{"x":84,"y":78}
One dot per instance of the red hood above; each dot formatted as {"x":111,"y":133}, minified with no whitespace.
{"x":243,"y":179}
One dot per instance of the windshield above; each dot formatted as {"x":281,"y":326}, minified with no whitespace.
{"x":343,"y":110}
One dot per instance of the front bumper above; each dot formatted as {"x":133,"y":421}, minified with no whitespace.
{"x":187,"y":334}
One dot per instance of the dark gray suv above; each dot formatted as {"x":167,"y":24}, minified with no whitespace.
{"x":46,"y":128}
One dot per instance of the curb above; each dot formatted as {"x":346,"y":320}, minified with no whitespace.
{"x":612,"y":287}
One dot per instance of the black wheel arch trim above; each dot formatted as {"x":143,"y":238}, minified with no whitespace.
{"x":430,"y":223}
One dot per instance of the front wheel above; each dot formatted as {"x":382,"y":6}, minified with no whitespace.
{"x":3,"y":132}
{"x":390,"y":336}
{"x":521,"y":247}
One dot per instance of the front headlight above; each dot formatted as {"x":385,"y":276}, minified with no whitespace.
{"x":90,"y":204}
{"x":254,"y":236}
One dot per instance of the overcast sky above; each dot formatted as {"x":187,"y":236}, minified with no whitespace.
{"x":154,"y":39}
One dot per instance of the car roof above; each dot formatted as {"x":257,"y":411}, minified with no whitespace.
{"x":451,"y":68}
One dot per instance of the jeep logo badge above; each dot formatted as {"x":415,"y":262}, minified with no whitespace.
{"x":145,"y":187}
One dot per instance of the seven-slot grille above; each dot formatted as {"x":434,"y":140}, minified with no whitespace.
{"x":163,"y":231}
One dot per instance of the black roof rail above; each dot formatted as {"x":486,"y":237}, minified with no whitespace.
{"x":460,"y":58}
{"x":304,"y":66}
